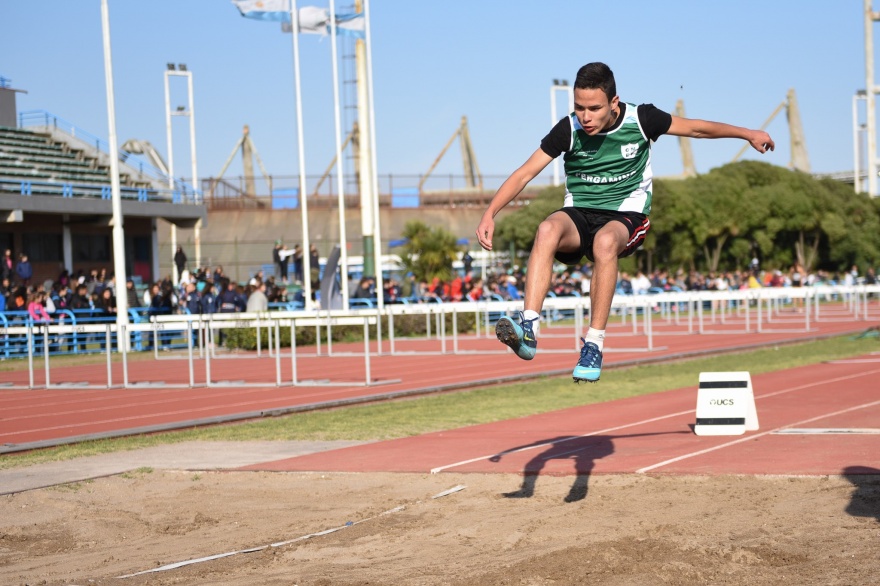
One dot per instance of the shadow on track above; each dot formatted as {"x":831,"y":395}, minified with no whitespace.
{"x":865,"y":499}
{"x":583,"y":450}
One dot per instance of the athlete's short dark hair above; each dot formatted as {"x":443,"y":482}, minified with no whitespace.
{"x":596,"y":76}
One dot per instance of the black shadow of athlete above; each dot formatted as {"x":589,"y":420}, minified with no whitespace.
{"x":584,"y":450}
{"x":865,"y":499}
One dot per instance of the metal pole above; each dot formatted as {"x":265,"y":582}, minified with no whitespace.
{"x":377,"y":247}
{"x":293,"y":351}
{"x":303,"y":196}
{"x":118,"y":234}
{"x":189,"y":347}
{"x":107,"y":342}
{"x":208,"y":357}
{"x":277,"y":353}
{"x":30,"y":346}
{"x":340,"y":182}
{"x":195,"y":171}
{"x":368,"y":377}
{"x":552,"y":122}
{"x":124,"y":349}
{"x":856,"y":141}
{"x":170,"y":144}
{"x":870,"y":95}
{"x":46,"y":352}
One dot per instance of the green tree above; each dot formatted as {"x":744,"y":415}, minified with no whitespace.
{"x":853,"y":232}
{"x":519,"y":227}
{"x":672,"y":224}
{"x":429,"y":251}
{"x":718,"y":220}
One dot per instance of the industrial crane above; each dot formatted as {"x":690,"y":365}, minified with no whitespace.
{"x":800,"y":161}
{"x":684,"y":143}
{"x":248,"y":153}
{"x":472,"y":174}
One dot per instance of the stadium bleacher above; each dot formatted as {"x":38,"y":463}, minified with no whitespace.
{"x":32,"y":157}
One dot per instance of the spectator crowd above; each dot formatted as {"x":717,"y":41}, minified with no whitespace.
{"x":205,"y":291}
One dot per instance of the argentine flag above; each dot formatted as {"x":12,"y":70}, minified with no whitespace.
{"x":275,"y":10}
{"x":312,"y":19}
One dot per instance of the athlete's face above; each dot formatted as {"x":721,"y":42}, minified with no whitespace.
{"x":594,"y":111}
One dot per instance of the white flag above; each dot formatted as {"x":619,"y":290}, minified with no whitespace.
{"x":315,"y":20}
{"x":312,"y":20}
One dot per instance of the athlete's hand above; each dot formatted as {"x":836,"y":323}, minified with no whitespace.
{"x":485,"y":231}
{"x":761,"y":141}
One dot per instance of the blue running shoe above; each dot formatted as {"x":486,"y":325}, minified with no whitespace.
{"x":519,"y":336}
{"x":589,"y":367}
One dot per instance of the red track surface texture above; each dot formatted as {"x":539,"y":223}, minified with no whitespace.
{"x":41,"y":417}
{"x":652,"y":434}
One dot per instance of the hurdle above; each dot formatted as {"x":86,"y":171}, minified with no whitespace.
{"x":367,"y":320}
{"x":31,"y":331}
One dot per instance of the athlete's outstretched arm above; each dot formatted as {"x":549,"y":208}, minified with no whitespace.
{"x":759,"y":139}
{"x":511,"y":187}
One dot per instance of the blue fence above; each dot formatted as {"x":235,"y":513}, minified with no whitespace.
{"x":30,"y":188}
{"x":78,"y":342}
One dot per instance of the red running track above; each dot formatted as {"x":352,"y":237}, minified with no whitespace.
{"x":31,"y":418}
{"x":653,"y":434}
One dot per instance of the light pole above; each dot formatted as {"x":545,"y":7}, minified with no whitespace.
{"x":181,"y":70}
{"x":858,"y":130}
{"x":118,"y":233}
{"x":870,"y":96}
{"x":559,"y":85}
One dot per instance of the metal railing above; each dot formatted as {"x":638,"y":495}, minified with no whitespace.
{"x":42,"y":118}
{"x":28,"y":187}
{"x":757,"y":311}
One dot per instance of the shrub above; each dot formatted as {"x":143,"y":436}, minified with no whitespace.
{"x":405,"y":326}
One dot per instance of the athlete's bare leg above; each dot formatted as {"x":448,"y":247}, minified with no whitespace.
{"x":555,"y":234}
{"x":609,"y":242}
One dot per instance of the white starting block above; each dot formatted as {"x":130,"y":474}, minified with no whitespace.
{"x":725,"y":404}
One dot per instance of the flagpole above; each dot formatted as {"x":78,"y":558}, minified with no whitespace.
{"x":307,"y":264}
{"x":116,"y":196}
{"x":343,"y":240}
{"x":377,"y":247}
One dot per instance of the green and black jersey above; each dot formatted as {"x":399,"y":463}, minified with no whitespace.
{"x":610,"y":170}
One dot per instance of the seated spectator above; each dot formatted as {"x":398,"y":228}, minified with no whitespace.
{"x":476,"y":292}
{"x":107,"y":302}
{"x":455,"y":289}
{"x":364,"y":289}
{"x":511,"y":291}
{"x":36,"y":309}
{"x":191,"y":300}
{"x":624,"y":285}
{"x":641,"y":283}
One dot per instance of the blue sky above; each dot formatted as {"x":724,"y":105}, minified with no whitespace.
{"x":491,"y":61}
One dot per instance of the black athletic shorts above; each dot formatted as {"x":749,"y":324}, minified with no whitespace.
{"x":589,"y":221}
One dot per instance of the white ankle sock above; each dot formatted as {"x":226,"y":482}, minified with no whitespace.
{"x":536,"y":325}
{"x":597,"y":337}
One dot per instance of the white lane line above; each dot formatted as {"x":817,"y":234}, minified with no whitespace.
{"x":828,"y":431}
{"x":572,"y":438}
{"x":644,"y":421}
{"x":751,"y":437}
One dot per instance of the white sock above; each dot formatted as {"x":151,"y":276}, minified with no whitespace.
{"x":597,"y":337}
{"x":536,"y":325}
